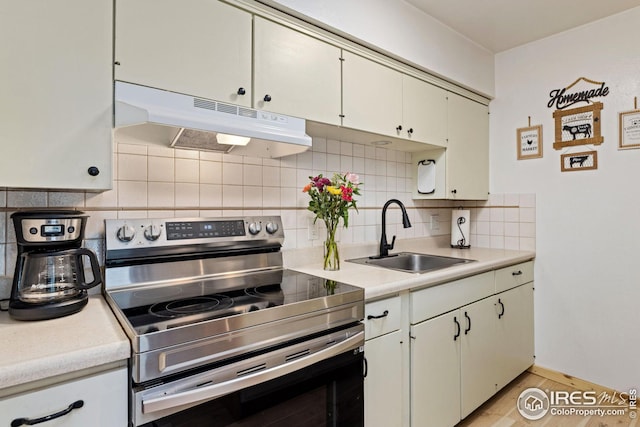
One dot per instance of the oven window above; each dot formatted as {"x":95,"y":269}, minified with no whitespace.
{"x":329,"y":393}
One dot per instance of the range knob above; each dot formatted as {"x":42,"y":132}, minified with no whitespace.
{"x":271,"y":227}
{"x":126,"y":233}
{"x":255,"y":228}
{"x":152,"y":232}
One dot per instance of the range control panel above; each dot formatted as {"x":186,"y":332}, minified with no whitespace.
{"x":203,"y":229}
{"x":158,"y":232}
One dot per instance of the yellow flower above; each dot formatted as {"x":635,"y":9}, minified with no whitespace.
{"x":333,"y":190}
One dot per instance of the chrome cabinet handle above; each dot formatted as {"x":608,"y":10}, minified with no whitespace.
{"x":29,"y":422}
{"x":385,"y":314}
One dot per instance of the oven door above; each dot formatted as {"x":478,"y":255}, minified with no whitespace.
{"x":318,"y":382}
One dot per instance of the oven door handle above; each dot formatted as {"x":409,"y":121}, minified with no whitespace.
{"x":196,"y":395}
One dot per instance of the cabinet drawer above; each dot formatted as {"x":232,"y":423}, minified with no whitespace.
{"x":104,"y":398}
{"x":512,"y":276}
{"x":436,"y":300}
{"x":381,"y":317}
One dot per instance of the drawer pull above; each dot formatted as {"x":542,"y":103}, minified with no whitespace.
{"x":29,"y":422}
{"x":517,"y":273}
{"x":385,"y":314}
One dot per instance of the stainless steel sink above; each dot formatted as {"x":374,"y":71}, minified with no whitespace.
{"x":411,"y":262}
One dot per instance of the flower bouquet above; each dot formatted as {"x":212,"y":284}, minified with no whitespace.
{"x":331,"y":200}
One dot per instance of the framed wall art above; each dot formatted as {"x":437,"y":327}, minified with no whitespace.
{"x":530,"y":142}
{"x":629,"y":130}
{"x":586,"y":160}
{"x":578,"y":126}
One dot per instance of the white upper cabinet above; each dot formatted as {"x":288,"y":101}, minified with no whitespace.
{"x":382,"y":100}
{"x":424,"y":112}
{"x":468,"y":149}
{"x":56,"y":94}
{"x":371,"y":96}
{"x":295,"y":74}
{"x":197,"y":47}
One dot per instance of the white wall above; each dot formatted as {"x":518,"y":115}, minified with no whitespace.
{"x":407,"y":32}
{"x":588,"y":233}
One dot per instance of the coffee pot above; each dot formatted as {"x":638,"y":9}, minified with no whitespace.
{"x":52,"y":272}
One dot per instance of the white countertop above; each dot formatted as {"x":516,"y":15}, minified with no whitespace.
{"x":380,"y":282}
{"x":37,"y":350}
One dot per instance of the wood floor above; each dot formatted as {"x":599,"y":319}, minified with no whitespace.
{"x":501,"y":410}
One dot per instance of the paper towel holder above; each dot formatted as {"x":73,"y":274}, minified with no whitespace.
{"x":462,"y":241}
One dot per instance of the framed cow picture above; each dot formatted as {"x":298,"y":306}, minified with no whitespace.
{"x":530,"y":142}
{"x":578,"y":126}
{"x":586,"y":160}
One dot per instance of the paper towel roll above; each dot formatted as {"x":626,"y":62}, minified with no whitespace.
{"x":460,"y":228}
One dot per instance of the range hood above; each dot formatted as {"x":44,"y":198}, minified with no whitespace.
{"x":198,"y":121}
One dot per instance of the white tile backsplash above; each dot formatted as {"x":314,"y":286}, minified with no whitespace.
{"x":187,"y":170}
{"x":156,"y":181}
{"x":132,"y":167}
{"x":160,"y":194}
{"x":187,"y":195}
{"x":161,"y":169}
{"x":132,"y":194}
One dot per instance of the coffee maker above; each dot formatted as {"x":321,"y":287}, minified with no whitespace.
{"x":49,"y":279}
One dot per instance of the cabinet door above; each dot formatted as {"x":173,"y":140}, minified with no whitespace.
{"x":299,"y":74}
{"x":514,"y":310}
{"x":371,"y":96}
{"x":56,"y":94}
{"x":467,"y":149}
{"x":424,"y":111}
{"x":104,"y":398}
{"x":383,"y":385}
{"x":435,"y":371}
{"x":478,"y":354}
{"x":197,"y":47}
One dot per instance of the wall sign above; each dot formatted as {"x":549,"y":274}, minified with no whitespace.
{"x":530,"y":142}
{"x":629,"y":130}
{"x":578,"y":126}
{"x":579,"y":161}
{"x":562,"y":98}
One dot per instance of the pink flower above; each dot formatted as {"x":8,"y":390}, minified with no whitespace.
{"x":352,"y":178}
{"x":347,"y":193}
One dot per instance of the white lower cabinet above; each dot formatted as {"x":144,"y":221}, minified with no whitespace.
{"x":515,"y":332}
{"x":383,"y":383}
{"x":464,"y":351}
{"x":384,"y":352}
{"x":103,"y":396}
{"x":480,"y":347}
{"x":435,"y":371}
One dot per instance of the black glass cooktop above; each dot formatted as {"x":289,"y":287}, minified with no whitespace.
{"x":166,"y":306}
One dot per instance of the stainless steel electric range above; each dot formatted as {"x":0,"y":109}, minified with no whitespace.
{"x":222,"y":334}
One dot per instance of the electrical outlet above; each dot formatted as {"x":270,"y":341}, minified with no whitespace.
{"x":312,"y":229}
{"x":435,"y":222}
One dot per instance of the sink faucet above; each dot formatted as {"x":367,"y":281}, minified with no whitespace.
{"x":384,"y":246}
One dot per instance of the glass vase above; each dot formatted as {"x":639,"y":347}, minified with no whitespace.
{"x":331,"y":255}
